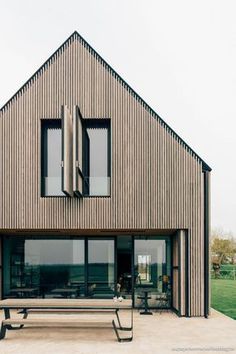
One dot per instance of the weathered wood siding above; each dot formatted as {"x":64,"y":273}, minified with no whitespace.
{"x":156,"y":180}
{"x":0,"y":268}
{"x":175,"y":273}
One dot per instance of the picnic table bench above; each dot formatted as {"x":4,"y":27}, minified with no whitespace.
{"x":44,"y":306}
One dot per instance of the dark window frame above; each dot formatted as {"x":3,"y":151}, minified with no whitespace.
{"x":97,"y":123}
{"x":87,"y":123}
{"x":45,"y":123}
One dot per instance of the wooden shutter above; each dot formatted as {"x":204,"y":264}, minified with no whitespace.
{"x":67,"y":151}
{"x":77,"y":152}
{"x":86,"y":165}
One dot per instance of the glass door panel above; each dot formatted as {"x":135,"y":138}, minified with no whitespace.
{"x":152,"y":271}
{"x":101,"y":268}
{"x":124,"y":266}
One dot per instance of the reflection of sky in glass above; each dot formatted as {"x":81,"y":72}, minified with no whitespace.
{"x":49,"y":252}
{"x":101,"y":251}
{"x":144,"y":259}
{"x":98,"y":152}
{"x":52,"y":155}
{"x":155,"y":248}
{"x":54,"y":152}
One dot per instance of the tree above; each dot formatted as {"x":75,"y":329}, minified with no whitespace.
{"x":223,"y":248}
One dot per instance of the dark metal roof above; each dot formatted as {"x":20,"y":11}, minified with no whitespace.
{"x":76,"y":35}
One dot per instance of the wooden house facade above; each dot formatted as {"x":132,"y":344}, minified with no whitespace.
{"x":98,"y":195}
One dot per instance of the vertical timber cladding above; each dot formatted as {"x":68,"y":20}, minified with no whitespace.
{"x":183,"y":287}
{"x":1,"y":268}
{"x":156,"y":179}
{"x":175,"y":272}
{"x":180,"y":272}
{"x":206,"y":243}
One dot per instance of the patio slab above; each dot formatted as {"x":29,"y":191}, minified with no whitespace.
{"x":160,"y":333}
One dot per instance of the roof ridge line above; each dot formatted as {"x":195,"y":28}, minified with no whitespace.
{"x":205,"y":166}
{"x":38,"y":70}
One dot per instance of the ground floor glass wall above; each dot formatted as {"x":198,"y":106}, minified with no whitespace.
{"x":99,"y":267}
{"x":56,"y":268}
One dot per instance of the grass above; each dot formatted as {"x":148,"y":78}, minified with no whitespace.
{"x":223,"y":296}
{"x":228,"y":267}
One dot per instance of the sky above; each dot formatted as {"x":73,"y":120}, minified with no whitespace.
{"x":179,"y":56}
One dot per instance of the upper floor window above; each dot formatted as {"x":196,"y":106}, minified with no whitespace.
{"x":96,"y":151}
{"x":51,"y":158}
{"x":75,"y":156}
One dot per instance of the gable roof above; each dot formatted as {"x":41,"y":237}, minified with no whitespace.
{"x":76,"y":36}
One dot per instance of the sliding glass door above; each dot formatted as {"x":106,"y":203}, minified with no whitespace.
{"x":152,"y":271}
{"x":101,"y":268}
{"x":58,"y":267}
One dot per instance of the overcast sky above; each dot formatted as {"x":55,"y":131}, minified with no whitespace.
{"x":180,"y":56}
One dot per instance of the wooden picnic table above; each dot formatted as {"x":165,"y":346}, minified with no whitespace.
{"x":26,"y":306}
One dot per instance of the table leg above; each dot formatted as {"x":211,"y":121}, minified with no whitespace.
{"x":116,"y":329}
{"x":120,"y":325}
{"x":3,"y":331}
{"x":7,"y":315}
{"x":120,"y":339}
{"x":4,"y":327}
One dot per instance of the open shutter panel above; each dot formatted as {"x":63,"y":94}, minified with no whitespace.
{"x":67,"y":151}
{"x":77,"y":152}
{"x":86,"y":165}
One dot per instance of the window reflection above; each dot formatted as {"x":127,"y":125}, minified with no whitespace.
{"x":51,"y":158}
{"x":101,"y":268}
{"x":72,"y":268}
{"x":96,"y":154}
{"x":45,"y":268}
{"x":152,"y":270}
{"x":144,"y":268}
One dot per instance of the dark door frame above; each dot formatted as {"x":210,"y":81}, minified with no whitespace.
{"x":164,"y":237}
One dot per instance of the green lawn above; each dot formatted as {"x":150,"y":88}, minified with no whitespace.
{"x":223,"y":296}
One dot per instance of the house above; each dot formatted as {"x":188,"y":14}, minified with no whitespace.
{"x":99,"y":197}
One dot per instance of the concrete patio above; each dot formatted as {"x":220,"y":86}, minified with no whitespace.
{"x":160,"y":333}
